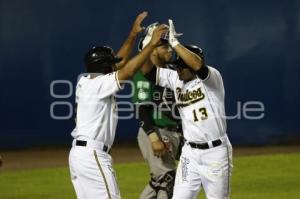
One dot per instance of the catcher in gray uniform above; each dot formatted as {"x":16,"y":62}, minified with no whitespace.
{"x":160,"y":132}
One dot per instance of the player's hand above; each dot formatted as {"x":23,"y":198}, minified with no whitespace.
{"x":158,"y":148}
{"x":157,"y":34}
{"x":137,"y":28}
{"x":173,"y":41}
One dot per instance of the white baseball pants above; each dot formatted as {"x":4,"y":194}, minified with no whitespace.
{"x":92,"y":174}
{"x":209,"y":168}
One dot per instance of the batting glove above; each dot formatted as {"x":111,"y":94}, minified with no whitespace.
{"x":173,"y":41}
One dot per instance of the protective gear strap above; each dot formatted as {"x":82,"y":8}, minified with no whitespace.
{"x":165,"y":183}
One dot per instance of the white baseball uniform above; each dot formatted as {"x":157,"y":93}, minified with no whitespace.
{"x":90,"y":163}
{"x":201,"y":107}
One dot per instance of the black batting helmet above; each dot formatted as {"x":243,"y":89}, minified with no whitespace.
{"x":195,"y":49}
{"x":100,"y":59}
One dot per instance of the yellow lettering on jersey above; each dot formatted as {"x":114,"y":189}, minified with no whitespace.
{"x":189,"y":97}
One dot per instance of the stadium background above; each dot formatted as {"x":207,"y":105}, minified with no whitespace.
{"x":255,"y":45}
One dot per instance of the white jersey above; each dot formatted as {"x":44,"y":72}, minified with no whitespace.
{"x":200,"y":104}
{"x":96,"y":117}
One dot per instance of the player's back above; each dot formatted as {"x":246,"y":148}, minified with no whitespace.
{"x":96,"y":116}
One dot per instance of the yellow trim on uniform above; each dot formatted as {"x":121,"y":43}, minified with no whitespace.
{"x":117,"y":80}
{"x":102,"y":173}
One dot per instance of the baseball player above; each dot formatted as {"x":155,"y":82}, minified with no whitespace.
{"x":96,"y":118}
{"x":158,"y":136}
{"x":206,"y":155}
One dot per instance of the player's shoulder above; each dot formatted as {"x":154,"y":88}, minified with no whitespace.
{"x":104,"y":77}
{"x":213,"y":71}
{"x":81,"y":80}
{"x":167,"y":71}
{"x":87,"y":80}
{"x":167,"y":74}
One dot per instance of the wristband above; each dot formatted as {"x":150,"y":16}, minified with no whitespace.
{"x":174,"y":42}
{"x":153,"y":137}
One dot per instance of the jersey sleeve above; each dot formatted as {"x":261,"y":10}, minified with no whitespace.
{"x":214,"y":80}
{"x":107,"y":85}
{"x":166,"y":78}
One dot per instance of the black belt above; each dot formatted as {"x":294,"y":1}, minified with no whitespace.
{"x":215,"y":143}
{"x":84,"y":143}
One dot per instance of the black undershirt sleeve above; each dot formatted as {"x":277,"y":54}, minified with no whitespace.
{"x":203,"y":72}
{"x":145,"y":117}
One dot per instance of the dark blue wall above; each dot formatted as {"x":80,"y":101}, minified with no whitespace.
{"x":255,"y":45}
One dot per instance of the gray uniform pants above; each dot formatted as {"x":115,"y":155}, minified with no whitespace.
{"x":158,"y":166}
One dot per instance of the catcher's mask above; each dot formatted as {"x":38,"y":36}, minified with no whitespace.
{"x":179,"y":63}
{"x":100,"y":59}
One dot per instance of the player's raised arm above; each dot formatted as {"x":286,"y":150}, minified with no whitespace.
{"x":191,"y":59}
{"x":128,"y":45}
{"x":147,"y":67}
{"x":136,"y":62}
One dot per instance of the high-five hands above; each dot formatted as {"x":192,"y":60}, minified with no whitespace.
{"x":157,"y":34}
{"x":137,"y":28}
{"x":173,"y":41}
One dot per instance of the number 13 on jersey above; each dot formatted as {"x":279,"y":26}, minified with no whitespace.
{"x":201,"y":112}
